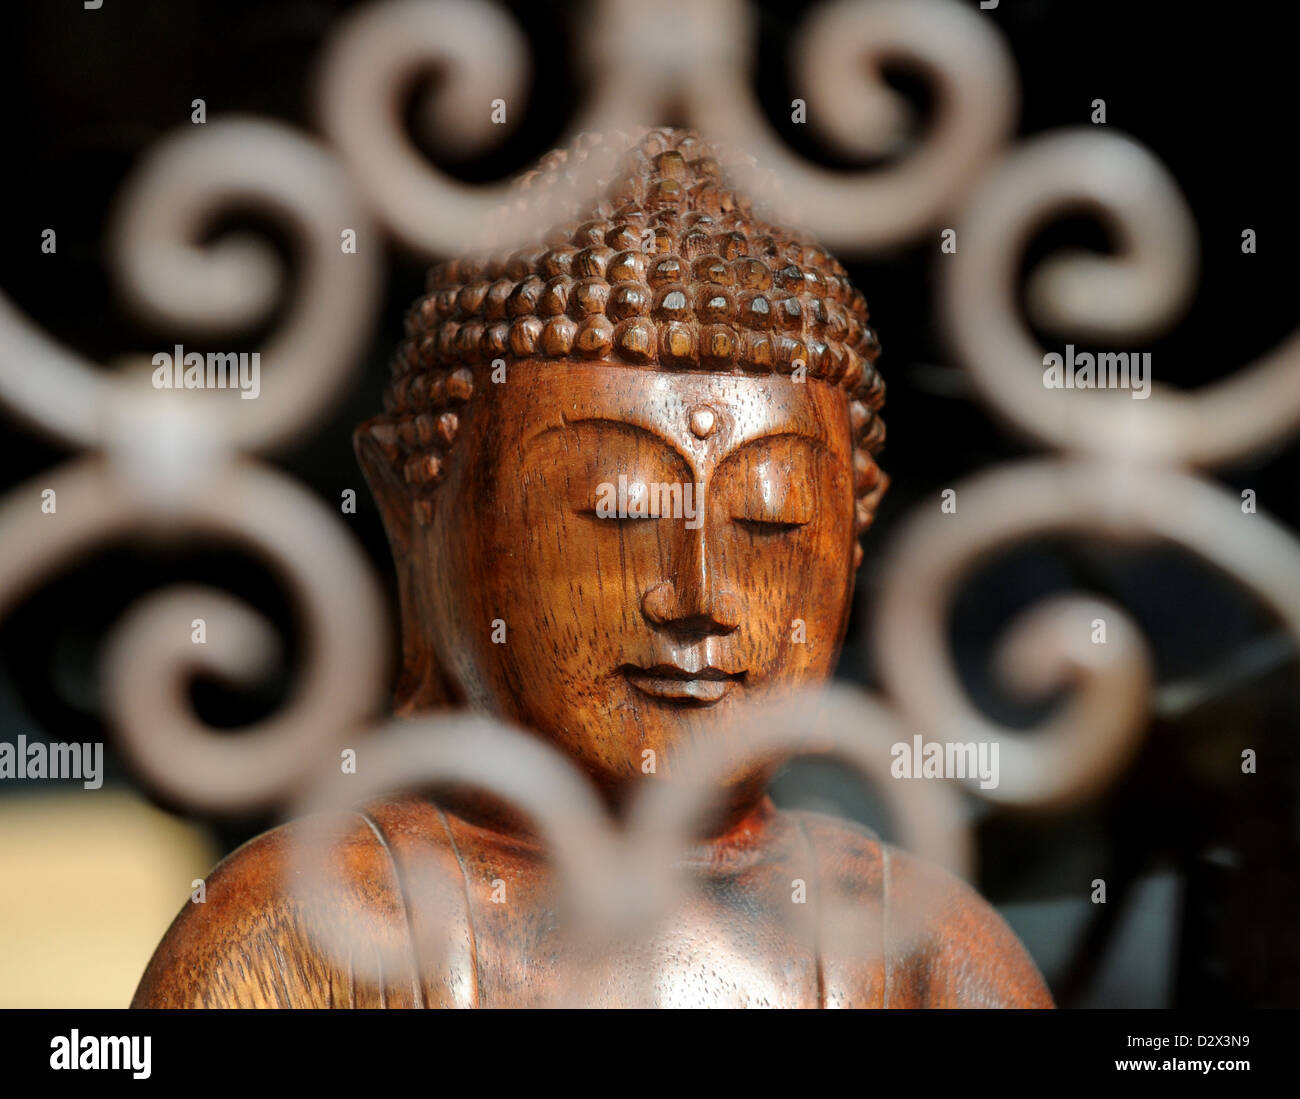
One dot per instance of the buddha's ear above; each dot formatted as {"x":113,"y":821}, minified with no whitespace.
{"x":421,"y":685}
{"x":377,"y":452}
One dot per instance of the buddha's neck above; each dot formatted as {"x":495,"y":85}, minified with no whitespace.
{"x":742,"y":821}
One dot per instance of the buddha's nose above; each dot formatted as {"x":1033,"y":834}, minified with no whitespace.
{"x":691,"y":608}
{"x":693,"y":603}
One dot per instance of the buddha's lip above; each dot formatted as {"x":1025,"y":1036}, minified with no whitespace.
{"x":676,"y":671}
{"x":704,"y":686}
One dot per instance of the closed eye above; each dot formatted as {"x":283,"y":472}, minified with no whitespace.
{"x":613,"y":517}
{"x":769,"y":526}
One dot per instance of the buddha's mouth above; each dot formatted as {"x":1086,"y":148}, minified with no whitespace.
{"x":703,"y":687}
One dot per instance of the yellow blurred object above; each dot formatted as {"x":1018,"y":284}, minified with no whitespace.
{"x":89,"y":881}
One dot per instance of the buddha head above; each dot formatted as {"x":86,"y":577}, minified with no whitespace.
{"x":624,"y":472}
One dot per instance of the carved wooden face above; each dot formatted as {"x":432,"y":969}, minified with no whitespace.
{"x":620,"y":557}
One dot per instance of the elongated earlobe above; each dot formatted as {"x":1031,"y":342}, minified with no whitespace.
{"x":421,"y":684}
{"x":376,"y":455}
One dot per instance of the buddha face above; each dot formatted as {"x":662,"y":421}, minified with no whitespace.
{"x":620,"y":558}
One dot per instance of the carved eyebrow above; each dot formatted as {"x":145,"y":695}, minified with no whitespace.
{"x":811,"y":440}
{"x":624,"y":426}
{"x":610,"y":422}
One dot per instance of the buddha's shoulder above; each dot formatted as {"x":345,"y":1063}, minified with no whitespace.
{"x":248,"y":939}
{"x":945,"y":945}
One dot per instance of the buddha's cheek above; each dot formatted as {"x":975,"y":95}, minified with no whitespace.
{"x":591,"y":627}
{"x":796,"y":630}
{"x":542,"y":632}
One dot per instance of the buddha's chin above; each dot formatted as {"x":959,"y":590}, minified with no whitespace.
{"x":647,"y":724}
{"x":678,"y":721}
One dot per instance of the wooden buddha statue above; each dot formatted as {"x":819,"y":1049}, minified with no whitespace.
{"x":667,"y":338}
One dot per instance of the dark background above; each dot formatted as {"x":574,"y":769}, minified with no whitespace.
{"x":1203,"y":894}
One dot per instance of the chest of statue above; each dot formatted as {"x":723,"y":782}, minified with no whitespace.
{"x":744,"y":936}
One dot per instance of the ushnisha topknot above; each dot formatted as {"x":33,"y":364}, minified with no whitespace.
{"x":668,"y":269}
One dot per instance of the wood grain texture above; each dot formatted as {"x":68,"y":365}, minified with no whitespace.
{"x":528,"y":386}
